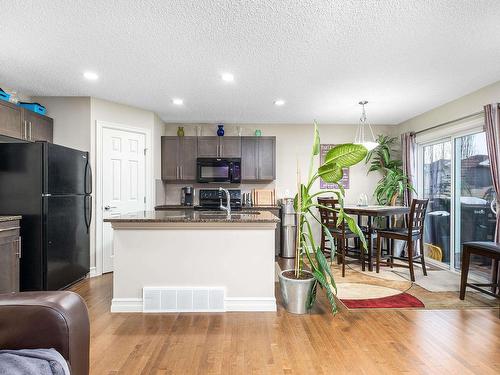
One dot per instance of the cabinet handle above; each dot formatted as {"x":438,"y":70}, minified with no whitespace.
{"x":180,"y":172}
{"x":30,"y":132}
{"x":7,"y":229}
{"x":25,"y":135}
{"x":19,"y":247}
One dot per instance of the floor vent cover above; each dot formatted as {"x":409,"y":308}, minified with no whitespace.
{"x":158,"y":299}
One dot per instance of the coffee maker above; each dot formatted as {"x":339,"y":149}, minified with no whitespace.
{"x":187,"y":196}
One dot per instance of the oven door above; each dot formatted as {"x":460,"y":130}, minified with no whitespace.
{"x":213,"y":170}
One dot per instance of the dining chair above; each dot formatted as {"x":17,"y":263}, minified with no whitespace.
{"x":413,"y":232}
{"x":340,"y":234}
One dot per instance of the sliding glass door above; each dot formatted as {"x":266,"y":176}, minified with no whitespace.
{"x":475,"y":221}
{"x":454,"y":175}
{"x":437,"y":187}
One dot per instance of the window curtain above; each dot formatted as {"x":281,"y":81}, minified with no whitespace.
{"x":408,"y":155}
{"x":492,"y":128}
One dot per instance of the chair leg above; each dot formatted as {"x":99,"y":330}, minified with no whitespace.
{"x":338,"y":253}
{"x":343,"y":256}
{"x":422,"y":258}
{"x":362,"y":256}
{"x":379,"y":250}
{"x":494,"y":275}
{"x":369,"y":251}
{"x":391,"y":254}
{"x":410,"y":260}
{"x":465,"y":272}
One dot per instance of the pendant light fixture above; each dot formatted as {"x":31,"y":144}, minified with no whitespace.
{"x":364,"y":133}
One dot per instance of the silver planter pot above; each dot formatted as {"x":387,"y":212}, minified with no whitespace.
{"x":295,"y":293}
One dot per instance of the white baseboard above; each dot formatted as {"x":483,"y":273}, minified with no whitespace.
{"x":93,"y":272}
{"x":250,"y":304}
{"x":126,"y":305}
{"x":134,"y":305}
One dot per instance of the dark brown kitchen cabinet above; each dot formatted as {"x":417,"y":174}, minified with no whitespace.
{"x":39,"y":127}
{"x":11,"y":120}
{"x":21,"y":123}
{"x":258,"y":159}
{"x":10,"y":254}
{"x":217,"y":147}
{"x":178,"y":158}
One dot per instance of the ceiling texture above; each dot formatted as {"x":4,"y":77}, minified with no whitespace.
{"x":403,"y":56}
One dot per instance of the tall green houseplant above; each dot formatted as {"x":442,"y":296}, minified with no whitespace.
{"x":390,"y":188}
{"x":341,"y":156}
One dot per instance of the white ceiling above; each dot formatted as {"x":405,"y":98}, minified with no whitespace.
{"x":405,"y":57}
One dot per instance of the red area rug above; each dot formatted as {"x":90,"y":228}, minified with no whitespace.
{"x":398,"y":301}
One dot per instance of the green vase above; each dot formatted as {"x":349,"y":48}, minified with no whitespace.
{"x":180,"y":131}
{"x":258,"y":132}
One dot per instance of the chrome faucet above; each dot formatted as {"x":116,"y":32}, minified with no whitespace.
{"x":227,"y":207}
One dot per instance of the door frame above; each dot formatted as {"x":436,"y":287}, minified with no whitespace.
{"x":148,"y":175}
{"x":458,"y":130}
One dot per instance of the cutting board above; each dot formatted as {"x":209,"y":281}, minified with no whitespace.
{"x":263,"y":197}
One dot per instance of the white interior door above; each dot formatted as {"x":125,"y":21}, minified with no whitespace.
{"x":123,"y":181}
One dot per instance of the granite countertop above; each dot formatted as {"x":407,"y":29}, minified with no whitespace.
{"x":192,"y":216}
{"x":178,"y":206}
{"x":10,"y":218}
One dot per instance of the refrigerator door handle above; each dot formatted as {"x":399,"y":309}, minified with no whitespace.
{"x":88,"y":178}
{"x":88,"y":211}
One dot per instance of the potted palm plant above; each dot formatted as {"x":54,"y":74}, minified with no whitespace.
{"x":390,"y":188}
{"x":299,"y":285}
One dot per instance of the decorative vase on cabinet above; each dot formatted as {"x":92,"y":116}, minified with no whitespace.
{"x":220,"y":130}
{"x":180,"y":131}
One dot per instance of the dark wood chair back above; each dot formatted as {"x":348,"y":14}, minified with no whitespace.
{"x":417,"y":216}
{"x":328,"y":218}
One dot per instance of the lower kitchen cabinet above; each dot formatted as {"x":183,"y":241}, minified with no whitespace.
{"x":10,"y":254}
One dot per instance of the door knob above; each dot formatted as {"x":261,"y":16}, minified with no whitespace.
{"x":107,"y":208}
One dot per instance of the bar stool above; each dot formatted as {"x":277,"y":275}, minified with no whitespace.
{"x":341,"y":234}
{"x":415,"y":231}
{"x":486,"y":249}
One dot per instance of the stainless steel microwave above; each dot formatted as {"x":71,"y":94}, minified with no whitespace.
{"x":221,"y":170}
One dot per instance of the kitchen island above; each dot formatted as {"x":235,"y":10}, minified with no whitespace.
{"x":186,"y":260}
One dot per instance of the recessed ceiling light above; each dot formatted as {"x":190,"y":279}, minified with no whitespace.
{"x":279,"y":102}
{"x":178,"y":101}
{"x":228,"y":77}
{"x":91,"y":76}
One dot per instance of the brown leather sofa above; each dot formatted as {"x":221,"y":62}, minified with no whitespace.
{"x":59,"y":320}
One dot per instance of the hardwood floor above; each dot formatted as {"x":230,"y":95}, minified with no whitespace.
{"x":362,"y":342}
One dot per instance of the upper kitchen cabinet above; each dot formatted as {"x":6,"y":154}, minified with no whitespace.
{"x":258,"y":159}
{"x":11,"y":120}
{"x":39,"y":127}
{"x":20,"y":123}
{"x":219,"y":147}
{"x":178,"y":158}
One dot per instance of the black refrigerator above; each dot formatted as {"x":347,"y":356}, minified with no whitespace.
{"x":51,"y":187}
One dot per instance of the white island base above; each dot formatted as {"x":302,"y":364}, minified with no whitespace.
{"x":193,"y":266}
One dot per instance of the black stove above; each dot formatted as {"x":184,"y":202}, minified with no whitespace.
{"x":211,"y":199}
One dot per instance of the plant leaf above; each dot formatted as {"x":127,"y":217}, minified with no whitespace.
{"x":316,"y":141}
{"x":346,"y":154}
{"x":330,"y":173}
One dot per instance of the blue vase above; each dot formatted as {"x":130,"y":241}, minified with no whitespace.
{"x":220,"y":130}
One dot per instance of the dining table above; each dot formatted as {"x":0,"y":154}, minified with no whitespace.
{"x":371,"y":212}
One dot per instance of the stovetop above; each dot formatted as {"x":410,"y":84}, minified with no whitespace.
{"x":211,"y":199}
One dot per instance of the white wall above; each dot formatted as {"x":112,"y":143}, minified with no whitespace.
{"x":293,"y":142}
{"x":71,"y":120}
{"x":463,"y":106}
